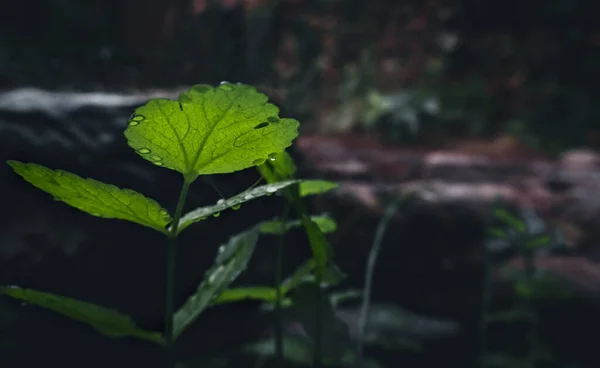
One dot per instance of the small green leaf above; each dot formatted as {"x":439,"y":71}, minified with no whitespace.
{"x":94,"y":197}
{"x":497,"y":233}
{"x":281,"y":166}
{"x":536,"y":242}
{"x":202,"y":213}
{"x":231,"y":260}
{"x":325,"y":223}
{"x":311,"y":187}
{"x":510,"y":219}
{"x":264,"y":293}
{"x":210,"y":130}
{"x":106,"y":321}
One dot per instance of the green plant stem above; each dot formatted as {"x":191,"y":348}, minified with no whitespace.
{"x":371,"y":262}
{"x":170,"y":279}
{"x":279,"y":295}
{"x":318,"y":348}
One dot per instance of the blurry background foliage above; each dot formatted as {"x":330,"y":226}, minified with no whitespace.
{"x":416,"y":69}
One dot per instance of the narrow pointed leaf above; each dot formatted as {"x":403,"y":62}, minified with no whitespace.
{"x":202,"y":213}
{"x":321,"y":249}
{"x":264,"y":293}
{"x":325,"y":223}
{"x":106,"y":321}
{"x":312,"y":187}
{"x":231,"y":260}
{"x":210,"y":130}
{"x":94,"y":197}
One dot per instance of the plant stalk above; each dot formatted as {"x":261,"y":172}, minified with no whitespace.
{"x":318,"y":353}
{"x":170,"y":279}
{"x":371,"y":263}
{"x":279,"y":295}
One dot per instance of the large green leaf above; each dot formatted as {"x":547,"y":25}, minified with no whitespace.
{"x":94,"y":197}
{"x":231,"y":260}
{"x":325,"y":223}
{"x":210,"y":130}
{"x":234,"y":202}
{"x":106,"y":321}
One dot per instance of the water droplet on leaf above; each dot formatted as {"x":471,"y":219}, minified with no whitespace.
{"x":236,"y":207}
{"x":144,"y":151}
{"x":258,"y":161}
{"x":157,"y":163}
{"x":272,"y":189}
{"x":135,"y":119}
{"x":156,"y":158}
{"x":272,"y":119}
{"x":226,"y":86}
{"x":216,"y":214}
{"x":220,"y":201}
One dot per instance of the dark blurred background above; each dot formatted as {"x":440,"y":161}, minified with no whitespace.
{"x":378,"y":83}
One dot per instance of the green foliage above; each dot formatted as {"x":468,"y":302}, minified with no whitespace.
{"x":206,"y":131}
{"x":210,"y":130}
{"x":96,"y":198}
{"x":106,"y":321}
{"x":231,"y":260}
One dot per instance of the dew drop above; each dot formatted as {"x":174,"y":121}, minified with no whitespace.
{"x":262,"y":125}
{"x":135,"y":119}
{"x":163,"y":212}
{"x":144,"y":151}
{"x":272,"y":119}
{"x":216,"y":214}
{"x":221,"y":201}
{"x":272,"y":189}
{"x":157,"y":163}
{"x":236,"y":207}
{"x":156,"y":158}
{"x":258,"y":161}
{"x":226,"y":86}
{"x":221,"y":249}
{"x":272,"y":155}
{"x":248,"y":197}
